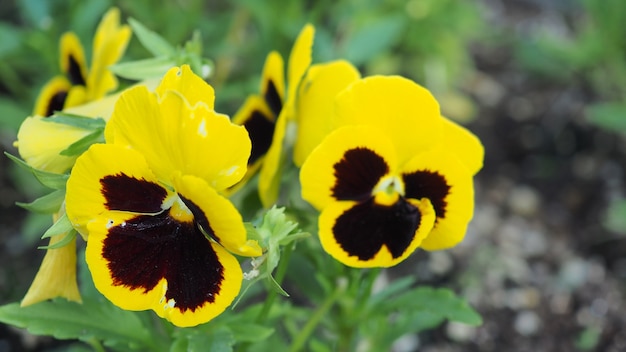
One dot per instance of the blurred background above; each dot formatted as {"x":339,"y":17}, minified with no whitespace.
{"x":541,"y":82}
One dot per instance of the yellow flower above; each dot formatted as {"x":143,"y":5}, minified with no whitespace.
{"x":265,"y":117}
{"x":57,"y":274}
{"x":79,"y":85}
{"x":159,"y":235}
{"x":389,"y":178}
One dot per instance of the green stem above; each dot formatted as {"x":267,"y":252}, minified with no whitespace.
{"x":321,"y":311}
{"x":280,"y":275}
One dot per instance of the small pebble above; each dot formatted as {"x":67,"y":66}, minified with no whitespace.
{"x":527,"y":323}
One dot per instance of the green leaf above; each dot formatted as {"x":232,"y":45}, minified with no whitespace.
{"x":610,"y":116}
{"x":144,"y":69}
{"x":374,"y":38}
{"x":48,"y":204}
{"x":62,"y":225}
{"x":250,"y":332}
{"x":91,"y":320}
{"x":150,"y":40}
{"x":48,"y":179}
{"x":218,"y":340}
{"x":81,"y":145}
{"x":84,"y":122}
{"x":63,"y":242}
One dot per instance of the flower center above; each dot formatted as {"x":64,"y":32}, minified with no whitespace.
{"x":388,"y":190}
{"x":179,"y":211}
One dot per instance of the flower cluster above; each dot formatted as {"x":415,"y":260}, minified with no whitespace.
{"x":150,"y":193}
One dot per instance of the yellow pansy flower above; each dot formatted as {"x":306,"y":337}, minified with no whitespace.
{"x":159,"y":234}
{"x":265,"y":117}
{"x":389,"y":177}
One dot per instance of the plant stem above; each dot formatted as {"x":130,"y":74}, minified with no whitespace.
{"x":321,"y":311}
{"x":280,"y":275}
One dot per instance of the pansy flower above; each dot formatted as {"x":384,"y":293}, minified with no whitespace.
{"x":79,"y":91}
{"x":159,"y":234}
{"x":384,"y":180}
{"x":265,"y":117}
{"x":80,"y":84}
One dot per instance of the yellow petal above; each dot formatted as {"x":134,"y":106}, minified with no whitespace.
{"x":189,"y":85}
{"x":273,"y":82}
{"x":439,"y":176}
{"x":224,"y":223}
{"x":86,"y":187}
{"x":366,"y":235}
{"x":269,"y":177}
{"x":52,"y":96}
{"x":175,"y":137}
{"x":315,"y":104}
{"x":300,"y":59}
{"x":348,"y":164}
{"x":39,"y":143}
{"x":72,"y":59}
{"x":400,"y":108}
{"x":56,"y":276}
{"x":464,"y":144}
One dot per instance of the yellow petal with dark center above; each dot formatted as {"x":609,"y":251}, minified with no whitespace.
{"x":72,"y":59}
{"x":111,"y":178}
{"x":406,"y":112}
{"x":52,"y":96}
{"x":347,"y":165}
{"x":316,"y":102}
{"x":440,"y":177}
{"x":273,"y":83}
{"x":367,"y":234}
{"x":269,"y":177}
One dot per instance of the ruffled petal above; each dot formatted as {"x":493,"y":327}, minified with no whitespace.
{"x":407,"y":113}
{"x":189,"y":85}
{"x":347,"y":165}
{"x":367,"y":234}
{"x":207,"y":144}
{"x":440,"y":177}
{"x":315,"y":104}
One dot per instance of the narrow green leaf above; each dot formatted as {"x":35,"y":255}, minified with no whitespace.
{"x":392,"y":289}
{"x":48,"y":179}
{"x":84,"y":122}
{"x":62,"y":225}
{"x":81,"y":145}
{"x":144,"y":69}
{"x":48,"y":204}
{"x":150,"y":40}
{"x":63,"y":242}
{"x":610,"y":116}
{"x":97,"y":320}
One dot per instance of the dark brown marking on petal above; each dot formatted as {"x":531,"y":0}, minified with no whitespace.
{"x":428,"y":184}
{"x":363,"y":229}
{"x":357,"y":173}
{"x":272,"y":98}
{"x":261,"y":132}
{"x":56,"y":103}
{"x":145,"y":249}
{"x":126,"y":193}
{"x":200,"y":218}
{"x":74,"y":73}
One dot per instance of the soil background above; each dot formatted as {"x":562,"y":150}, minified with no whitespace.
{"x":536,"y":263}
